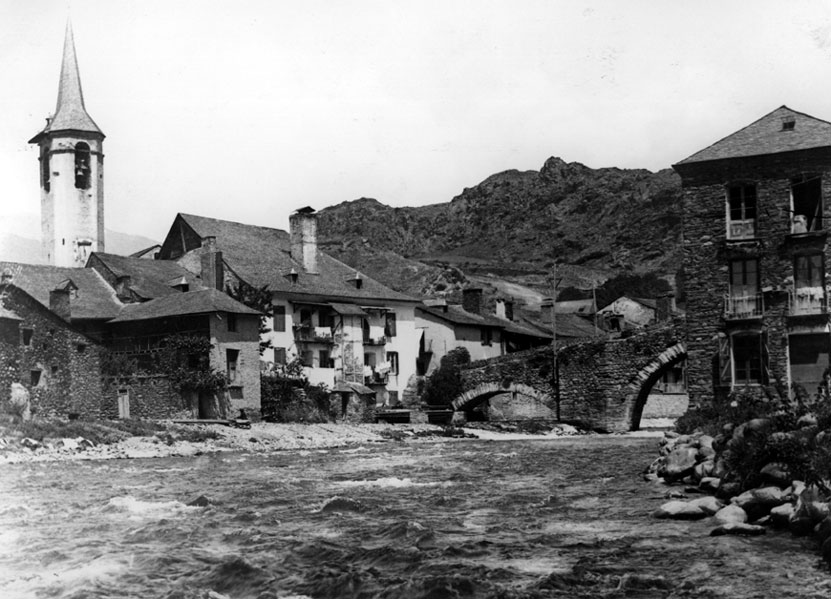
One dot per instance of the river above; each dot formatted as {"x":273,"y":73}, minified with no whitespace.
{"x":564,"y":517}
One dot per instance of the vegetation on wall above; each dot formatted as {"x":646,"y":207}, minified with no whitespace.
{"x":445,"y":384}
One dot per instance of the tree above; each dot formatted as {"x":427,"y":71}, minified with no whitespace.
{"x":257,"y":298}
{"x":445,"y":384}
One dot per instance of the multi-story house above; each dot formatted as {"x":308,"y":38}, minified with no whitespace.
{"x":342,"y":325}
{"x":755,"y":225}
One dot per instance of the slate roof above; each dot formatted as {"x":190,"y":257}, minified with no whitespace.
{"x":8,"y":314}
{"x":766,"y":136}
{"x":95,"y":299}
{"x":203,"y":301}
{"x":575,"y":307}
{"x":70,"y":113}
{"x":457,"y":315}
{"x":261,"y":256}
{"x":571,"y":325}
{"x":149,"y":278}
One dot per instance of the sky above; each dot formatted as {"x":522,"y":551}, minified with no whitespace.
{"x":249,"y":109}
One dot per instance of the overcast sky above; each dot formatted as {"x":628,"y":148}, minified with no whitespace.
{"x":248,"y":109}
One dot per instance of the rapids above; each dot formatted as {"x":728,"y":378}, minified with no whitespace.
{"x":563,"y":517}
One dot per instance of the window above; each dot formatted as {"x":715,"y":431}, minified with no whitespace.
{"x":34,"y":378}
{"x":389,"y":325}
{"x":306,"y":318}
{"x":44,"y":167}
{"x":745,"y":299}
{"x":232,"y":322}
{"x":806,"y":203}
{"x":55,"y":371}
{"x":392,"y":358}
{"x":81,"y":347}
{"x":307,"y":358}
{"x":808,"y":296}
{"x":280,"y":355}
{"x":808,"y":271}
{"x":747,"y":359}
{"x":231,"y":359}
{"x":27,"y":336}
{"x":326,"y":318}
{"x":487,"y":336}
{"x":279,"y":319}
{"x":324,"y":360}
{"x":741,"y":201}
{"x":82,"y":168}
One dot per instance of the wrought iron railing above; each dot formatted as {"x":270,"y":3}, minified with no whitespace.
{"x":807,"y":300}
{"x":743,"y":306}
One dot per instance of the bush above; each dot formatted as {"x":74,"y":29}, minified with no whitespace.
{"x":291,"y":398}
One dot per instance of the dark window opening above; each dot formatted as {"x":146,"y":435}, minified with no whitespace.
{"x":487,"y":336}
{"x":392,"y":358}
{"x":742,"y":211}
{"x":788,"y":124}
{"x":27,"y":336}
{"x":82,"y":167}
{"x":44,"y":168}
{"x":231,"y":358}
{"x":55,"y":371}
{"x":280,"y":355}
{"x":327,"y":319}
{"x":279,"y":319}
{"x":390,"y":325}
{"x":81,"y":348}
{"x":747,"y":359}
{"x":806,"y":195}
{"x":306,"y":318}
{"x":808,"y":271}
{"x":324,"y":360}
{"x":34,"y":378}
{"x":307,"y":358}
{"x":744,"y":277}
{"x":232,"y":323}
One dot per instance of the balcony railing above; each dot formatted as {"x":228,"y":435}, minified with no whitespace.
{"x":376,"y":378}
{"x":744,"y":306}
{"x":382,"y":340}
{"x":742,"y":229}
{"x":807,"y":300}
{"x":310,"y":334}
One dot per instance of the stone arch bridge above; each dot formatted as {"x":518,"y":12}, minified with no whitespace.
{"x":602,"y":385}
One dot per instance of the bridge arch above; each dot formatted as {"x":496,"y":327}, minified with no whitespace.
{"x":637,"y":391}
{"x":484,"y":391}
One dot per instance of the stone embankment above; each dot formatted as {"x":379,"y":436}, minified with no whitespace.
{"x":695,"y":465}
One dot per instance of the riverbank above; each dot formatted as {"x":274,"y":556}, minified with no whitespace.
{"x":176,"y":440}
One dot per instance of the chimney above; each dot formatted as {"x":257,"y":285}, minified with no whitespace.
{"x":213,"y":274}
{"x":665,"y":307}
{"x":303,"y":230}
{"x":60,"y":299}
{"x":472,"y":300}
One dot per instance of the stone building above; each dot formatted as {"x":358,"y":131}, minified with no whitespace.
{"x":54,"y":361}
{"x":71,"y":172}
{"x":343,"y":325}
{"x":755,"y":249}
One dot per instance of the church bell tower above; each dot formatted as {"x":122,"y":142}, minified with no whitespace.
{"x":71,"y":173}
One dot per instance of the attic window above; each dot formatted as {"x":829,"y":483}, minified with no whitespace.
{"x":356,"y":281}
{"x":292,"y":276}
{"x":788,"y":124}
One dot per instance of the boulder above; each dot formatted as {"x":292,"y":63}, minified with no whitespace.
{"x":19,"y":402}
{"x":780,"y":516}
{"x":807,"y":420}
{"x":29,"y":443}
{"x":703,"y":470}
{"x":709,"y":505}
{"x":705,"y":442}
{"x":758,"y":502}
{"x":342,"y":504}
{"x":709,"y":484}
{"x":200,"y":501}
{"x":810,"y":509}
{"x":738,"y":528}
{"x":679,"y":510}
{"x":729,"y":489}
{"x":679,"y":463}
{"x":731,"y":514}
{"x":777,"y":474}
{"x":706,"y":453}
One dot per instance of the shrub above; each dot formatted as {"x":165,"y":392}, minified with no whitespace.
{"x":289,"y":397}
{"x":445,"y":384}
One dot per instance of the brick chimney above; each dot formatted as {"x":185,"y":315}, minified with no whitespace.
{"x":303,"y":230}
{"x":60,"y":299}
{"x":472,"y":300}
{"x":213,"y":274}
{"x":665,"y":307}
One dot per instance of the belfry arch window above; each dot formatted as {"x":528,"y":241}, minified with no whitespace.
{"x":82,"y":168}
{"x":44,"y":167}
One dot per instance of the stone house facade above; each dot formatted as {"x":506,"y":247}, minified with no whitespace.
{"x":755,"y":225}
{"x":55,"y":362}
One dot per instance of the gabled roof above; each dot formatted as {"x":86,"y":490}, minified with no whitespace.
{"x":148,"y":278}
{"x":70,"y":113}
{"x":261,"y":257}
{"x":767,"y":136}
{"x":8,"y":314}
{"x":570,"y":325}
{"x":455,"y":314}
{"x":646,"y":302}
{"x":95,"y":299}
{"x":204,"y":301}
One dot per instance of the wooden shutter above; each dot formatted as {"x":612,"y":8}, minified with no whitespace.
{"x":725,"y":362}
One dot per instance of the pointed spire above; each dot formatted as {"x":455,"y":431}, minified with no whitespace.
{"x":70,"y":113}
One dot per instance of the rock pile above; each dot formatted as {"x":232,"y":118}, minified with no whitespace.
{"x":698,"y":462}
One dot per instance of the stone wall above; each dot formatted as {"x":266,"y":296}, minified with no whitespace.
{"x":59,"y":366}
{"x":707,"y":253}
{"x":150,"y":396}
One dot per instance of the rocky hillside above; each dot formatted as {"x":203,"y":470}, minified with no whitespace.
{"x":515,"y":224}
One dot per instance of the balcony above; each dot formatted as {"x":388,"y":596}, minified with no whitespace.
{"x":376,"y":378}
{"x":807,"y":301}
{"x":742,"y":229}
{"x":379,"y":340}
{"x":743,"y":307}
{"x":309,"y":334}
